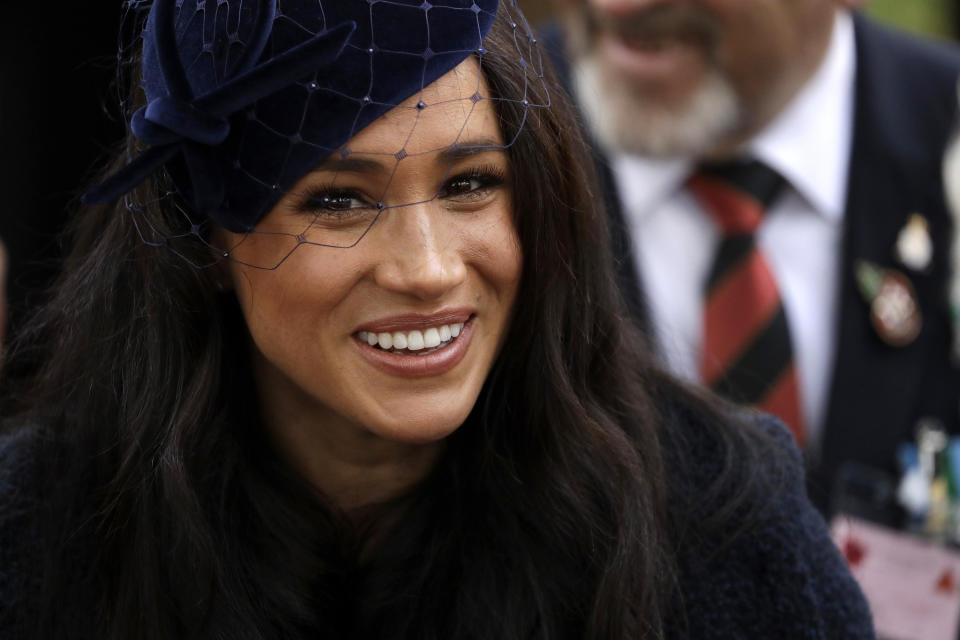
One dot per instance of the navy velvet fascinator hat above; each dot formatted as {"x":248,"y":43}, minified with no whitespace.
{"x":244,"y":97}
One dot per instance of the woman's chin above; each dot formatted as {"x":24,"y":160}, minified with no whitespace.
{"x":416,"y":425}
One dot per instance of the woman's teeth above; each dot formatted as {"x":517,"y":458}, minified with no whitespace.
{"x":400,"y":341}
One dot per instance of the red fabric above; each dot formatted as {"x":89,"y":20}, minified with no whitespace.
{"x":783,"y":401}
{"x":735,"y":211}
{"x":740,"y":306}
{"x":737,"y":309}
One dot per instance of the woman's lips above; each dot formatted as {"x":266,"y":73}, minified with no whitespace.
{"x":422,"y":322}
{"x":427,"y":352}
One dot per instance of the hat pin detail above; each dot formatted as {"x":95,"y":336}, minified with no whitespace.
{"x":894,"y":310}
{"x":914,"y":248}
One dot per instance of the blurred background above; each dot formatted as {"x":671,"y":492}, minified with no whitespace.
{"x":57,"y":118}
{"x":938,"y":18}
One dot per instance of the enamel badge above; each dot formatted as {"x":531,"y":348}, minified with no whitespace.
{"x":894,"y":309}
{"x":914,"y":248}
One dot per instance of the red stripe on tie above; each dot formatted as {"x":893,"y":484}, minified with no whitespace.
{"x":736,"y":310}
{"x":735,"y":211}
{"x":747,"y":352}
{"x":783,"y":401}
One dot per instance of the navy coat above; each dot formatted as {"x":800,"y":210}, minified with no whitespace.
{"x":780,"y":577}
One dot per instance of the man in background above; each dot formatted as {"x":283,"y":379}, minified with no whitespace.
{"x":772,"y":170}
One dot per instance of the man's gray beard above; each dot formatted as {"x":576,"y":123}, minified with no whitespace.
{"x":621,"y":119}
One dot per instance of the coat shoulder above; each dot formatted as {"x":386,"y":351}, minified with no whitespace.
{"x":909,"y":86}
{"x":18,"y":504}
{"x":765,"y":566}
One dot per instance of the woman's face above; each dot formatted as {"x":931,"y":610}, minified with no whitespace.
{"x":348,"y":337}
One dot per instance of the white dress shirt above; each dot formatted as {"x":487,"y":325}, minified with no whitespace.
{"x":675,"y":240}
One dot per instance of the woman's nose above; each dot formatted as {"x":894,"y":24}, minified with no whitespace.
{"x":421,"y":254}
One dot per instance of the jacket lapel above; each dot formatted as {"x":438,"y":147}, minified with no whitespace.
{"x":901,"y":125}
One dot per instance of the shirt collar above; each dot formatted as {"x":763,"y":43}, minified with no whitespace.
{"x":644,"y":183}
{"x":808,"y":143}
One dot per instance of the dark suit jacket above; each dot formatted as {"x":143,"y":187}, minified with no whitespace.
{"x":904,"y":116}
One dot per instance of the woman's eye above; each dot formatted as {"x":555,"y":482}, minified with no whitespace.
{"x":471,"y":186}
{"x":335,"y":200}
{"x":463,"y":185}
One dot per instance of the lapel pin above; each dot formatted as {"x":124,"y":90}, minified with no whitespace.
{"x":894,"y":310}
{"x":914,"y":247}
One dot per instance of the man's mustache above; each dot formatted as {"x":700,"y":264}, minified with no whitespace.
{"x":658,"y":24}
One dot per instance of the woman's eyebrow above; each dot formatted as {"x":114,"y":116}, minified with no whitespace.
{"x":356,"y":163}
{"x":352,"y":164}
{"x":466,"y":148}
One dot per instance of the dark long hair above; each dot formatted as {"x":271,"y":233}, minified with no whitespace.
{"x":167,"y":514}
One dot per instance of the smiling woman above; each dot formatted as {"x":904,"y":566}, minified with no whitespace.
{"x":394,"y":337}
{"x":340,"y":354}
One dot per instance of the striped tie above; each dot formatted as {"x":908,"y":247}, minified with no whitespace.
{"x":747,"y":355}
